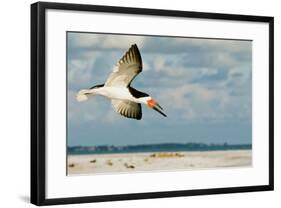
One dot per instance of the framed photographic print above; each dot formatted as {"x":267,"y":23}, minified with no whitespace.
{"x":134,"y":103}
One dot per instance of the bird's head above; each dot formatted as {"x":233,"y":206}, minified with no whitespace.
{"x":154,"y":105}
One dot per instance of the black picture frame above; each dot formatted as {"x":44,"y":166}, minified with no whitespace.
{"x":38,"y":102}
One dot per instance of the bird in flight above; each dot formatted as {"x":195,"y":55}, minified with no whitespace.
{"x":125,"y":99}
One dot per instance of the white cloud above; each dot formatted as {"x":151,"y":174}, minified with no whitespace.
{"x":101,"y":41}
{"x":79,"y":71}
{"x":170,"y":68}
{"x":194,"y":102}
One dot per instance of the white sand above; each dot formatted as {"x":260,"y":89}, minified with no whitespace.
{"x":138,"y":162}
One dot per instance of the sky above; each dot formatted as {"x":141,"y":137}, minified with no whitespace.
{"x":204,"y":86}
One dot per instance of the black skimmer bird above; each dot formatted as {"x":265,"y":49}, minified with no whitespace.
{"x":125,"y":99}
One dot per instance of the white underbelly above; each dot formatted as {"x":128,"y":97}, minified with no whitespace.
{"x":120,"y":93}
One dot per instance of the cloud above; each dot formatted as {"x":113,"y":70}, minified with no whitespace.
{"x":95,"y":110}
{"x":102,"y":42}
{"x":196,"y":80}
{"x":196,"y":103}
{"x":187,"y":45}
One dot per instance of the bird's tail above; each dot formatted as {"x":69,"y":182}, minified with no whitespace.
{"x":82,"y":95}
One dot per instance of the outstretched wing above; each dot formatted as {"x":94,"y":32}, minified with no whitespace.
{"x":128,"y":67}
{"x":127,"y":108}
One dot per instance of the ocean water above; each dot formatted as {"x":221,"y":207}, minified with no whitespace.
{"x":166,"y":147}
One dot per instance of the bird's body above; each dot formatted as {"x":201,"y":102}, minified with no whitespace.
{"x":119,"y":93}
{"x":125,"y":99}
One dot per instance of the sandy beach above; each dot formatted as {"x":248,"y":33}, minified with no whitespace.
{"x":139,"y":162}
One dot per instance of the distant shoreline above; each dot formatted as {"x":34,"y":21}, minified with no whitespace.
{"x":109,"y":153}
{"x":165,"y":147}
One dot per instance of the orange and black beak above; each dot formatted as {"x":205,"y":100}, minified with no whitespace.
{"x":154,"y":105}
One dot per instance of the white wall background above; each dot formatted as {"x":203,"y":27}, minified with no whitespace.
{"x":15,"y":110}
